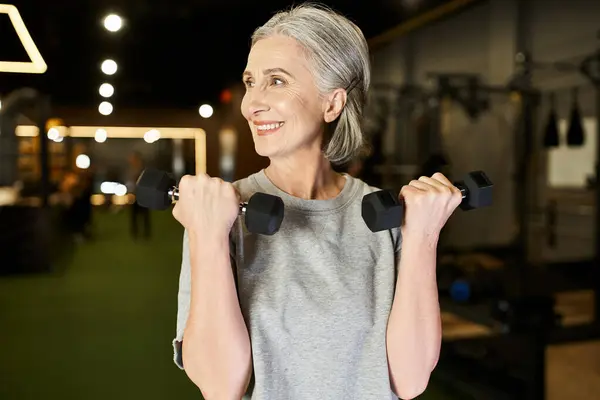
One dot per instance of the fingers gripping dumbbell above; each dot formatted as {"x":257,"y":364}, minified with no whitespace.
{"x":157,"y":190}
{"x":381,"y":210}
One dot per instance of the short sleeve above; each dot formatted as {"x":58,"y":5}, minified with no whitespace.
{"x":184,"y":295}
{"x":397,"y":237}
{"x":183,"y":301}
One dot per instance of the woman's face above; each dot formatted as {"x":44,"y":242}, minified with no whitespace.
{"x":283,"y":107}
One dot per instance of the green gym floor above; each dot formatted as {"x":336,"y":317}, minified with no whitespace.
{"x":102,"y":327}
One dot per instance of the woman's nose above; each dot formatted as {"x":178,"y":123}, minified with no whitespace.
{"x":257,"y":102}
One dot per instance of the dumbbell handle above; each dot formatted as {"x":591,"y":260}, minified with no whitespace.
{"x":174,"y":195}
{"x":463,"y":189}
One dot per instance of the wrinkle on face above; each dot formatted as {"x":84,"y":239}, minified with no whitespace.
{"x":296,"y":101}
{"x":297,"y":163}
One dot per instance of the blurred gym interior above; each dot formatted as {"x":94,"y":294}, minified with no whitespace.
{"x":92,"y":94}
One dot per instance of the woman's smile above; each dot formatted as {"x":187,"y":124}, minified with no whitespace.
{"x":265,"y":128}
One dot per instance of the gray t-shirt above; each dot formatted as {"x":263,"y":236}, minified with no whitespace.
{"x":316,"y":297}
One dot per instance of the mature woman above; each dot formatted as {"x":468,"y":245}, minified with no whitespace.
{"x":324,"y":309}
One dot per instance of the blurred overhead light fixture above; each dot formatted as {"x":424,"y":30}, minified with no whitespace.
{"x":53,"y":134}
{"x":113,"y":23}
{"x":115,"y":132}
{"x":109,"y":187}
{"x":37,"y":65}
{"x":152,"y":136}
{"x":82,"y":161}
{"x":128,"y":132}
{"x":121,"y":190}
{"x":105,"y":108}
{"x":101,"y":135}
{"x":106,"y":90}
{"x":205,"y":110}
{"x":109,"y":67}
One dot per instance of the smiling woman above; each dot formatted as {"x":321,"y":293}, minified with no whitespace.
{"x":324,"y":308}
{"x":299,"y":71}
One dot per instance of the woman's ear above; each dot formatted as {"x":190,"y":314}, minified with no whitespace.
{"x":334,"y":105}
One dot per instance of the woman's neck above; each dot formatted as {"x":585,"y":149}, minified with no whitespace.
{"x":310,"y":178}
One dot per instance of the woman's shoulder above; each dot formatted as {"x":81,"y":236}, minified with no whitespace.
{"x":247,"y":186}
{"x":362,"y":186}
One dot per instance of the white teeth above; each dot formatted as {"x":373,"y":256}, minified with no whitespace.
{"x":269,"y":126}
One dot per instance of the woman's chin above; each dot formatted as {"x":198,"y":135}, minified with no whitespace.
{"x":264,"y":149}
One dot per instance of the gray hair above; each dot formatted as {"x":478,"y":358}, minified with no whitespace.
{"x":339,"y":57}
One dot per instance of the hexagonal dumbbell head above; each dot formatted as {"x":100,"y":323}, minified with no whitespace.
{"x":478,"y":190}
{"x":381,"y":210}
{"x":264,"y":214}
{"x":152,"y":189}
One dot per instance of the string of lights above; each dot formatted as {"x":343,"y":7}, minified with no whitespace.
{"x":113,"y":24}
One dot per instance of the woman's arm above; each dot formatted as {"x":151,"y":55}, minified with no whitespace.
{"x":414,"y":332}
{"x":216,"y":349}
{"x":414,"y":327}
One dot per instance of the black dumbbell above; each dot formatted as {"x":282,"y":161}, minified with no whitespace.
{"x":157,"y":190}
{"x":381,"y":210}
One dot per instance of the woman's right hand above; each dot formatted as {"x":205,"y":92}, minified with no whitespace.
{"x":206,"y":206}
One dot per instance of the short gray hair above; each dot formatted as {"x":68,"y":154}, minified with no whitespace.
{"x":339,"y":57}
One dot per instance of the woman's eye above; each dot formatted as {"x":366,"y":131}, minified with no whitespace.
{"x":277,"y":81}
{"x":248,"y":83}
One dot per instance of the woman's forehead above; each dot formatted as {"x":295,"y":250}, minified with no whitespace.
{"x":276,"y":52}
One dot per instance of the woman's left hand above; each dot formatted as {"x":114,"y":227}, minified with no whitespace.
{"x":428,"y":203}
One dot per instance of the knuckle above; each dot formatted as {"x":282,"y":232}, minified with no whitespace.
{"x":230,"y":189}
{"x":225,"y":188}
{"x":217,"y":184}
{"x":200,"y":179}
{"x":185,"y":180}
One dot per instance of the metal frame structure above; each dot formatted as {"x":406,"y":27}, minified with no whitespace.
{"x":533,"y":325}
{"x":37,"y":65}
{"x":590,"y":69}
{"x":126,"y":132}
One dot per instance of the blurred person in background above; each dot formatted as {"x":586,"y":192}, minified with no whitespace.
{"x":139,"y":214}
{"x":83,"y":205}
{"x":73,"y":195}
